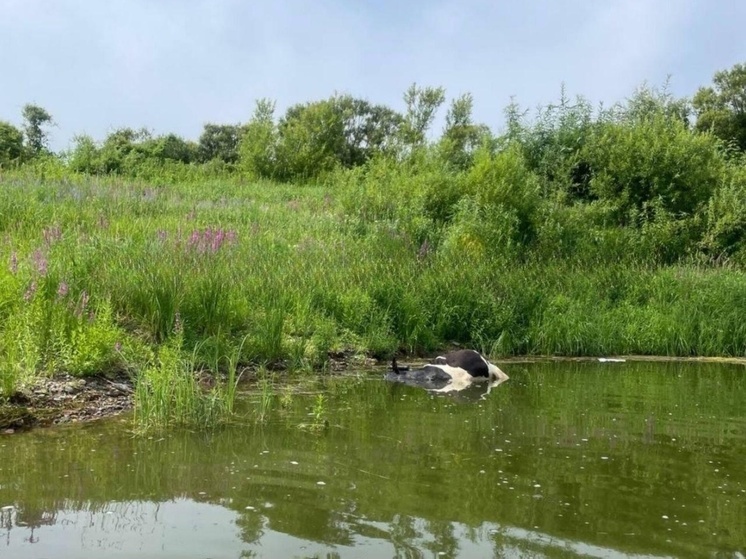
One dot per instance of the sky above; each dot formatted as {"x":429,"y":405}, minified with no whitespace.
{"x":175,"y":65}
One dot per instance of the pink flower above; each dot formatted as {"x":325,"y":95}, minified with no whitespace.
{"x":52,"y":234}
{"x":41,"y":262}
{"x":30,"y":292}
{"x":62,"y":289}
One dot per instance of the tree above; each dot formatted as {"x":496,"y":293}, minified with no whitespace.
{"x":11,"y":143}
{"x":461,"y":137}
{"x":35,"y":120}
{"x":652,"y":169}
{"x":369,"y":129}
{"x":258,"y":144}
{"x":119,"y":146}
{"x":311,"y":139}
{"x":169,"y":147}
{"x":721,"y":109}
{"x":220,"y":141}
{"x":85,"y":156}
{"x":422,"y":104}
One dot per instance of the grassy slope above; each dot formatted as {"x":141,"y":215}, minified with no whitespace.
{"x":98,"y":273}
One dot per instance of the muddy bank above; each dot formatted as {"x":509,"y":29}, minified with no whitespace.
{"x":65,"y":399}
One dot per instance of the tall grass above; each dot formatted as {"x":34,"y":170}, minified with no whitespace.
{"x":168,"y":278}
{"x":283,"y":271}
{"x":168,"y":394}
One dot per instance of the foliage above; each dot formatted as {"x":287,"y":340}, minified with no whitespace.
{"x":315,"y":138}
{"x":84,"y":157}
{"x":579,"y":232}
{"x":170,"y":147}
{"x":119,"y":151}
{"x":721,"y":108}
{"x":369,"y":130}
{"x":220,"y":141}
{"x":258,"y":145}
{"x":11,"y":144}
{"x":652,"y":165}
{"x":35,"y":120}
{"x":725,"y":237}
{"x":461,"y":137}
{"x":310,"y":139}
{"x":553,"y":146}
{"x":422,"y":104}
{"x":130,"y":152}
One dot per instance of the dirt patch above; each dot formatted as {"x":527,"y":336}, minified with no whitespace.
{"x":65,"y":399}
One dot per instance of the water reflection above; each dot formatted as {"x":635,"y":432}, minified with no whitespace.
{"x":633,"y":460}
{"x":186,"y":528}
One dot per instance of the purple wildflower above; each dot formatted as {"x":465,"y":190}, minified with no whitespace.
{"x":52,"y":234}
{"x":41,"y":262}
{"x":30,"y":292}
{"x":217,"y":240}
{"x":62,"y":289}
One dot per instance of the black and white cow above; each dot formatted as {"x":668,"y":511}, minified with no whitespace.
{"x":452,"y":371}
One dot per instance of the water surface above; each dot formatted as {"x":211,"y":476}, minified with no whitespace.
{"x":563,"y":460}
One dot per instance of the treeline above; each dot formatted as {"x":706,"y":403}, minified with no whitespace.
{"x":577,"y":231}
{"x":668,"y":173}
{"x":314,"y":138}
{"x":669,"y":170}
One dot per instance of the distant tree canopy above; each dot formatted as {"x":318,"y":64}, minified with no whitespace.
{"x":314,"y":138}
{"x":422,"y":105}
{"x":126,"y":149}
{"x":631,"y":156}
{"x":36,"y":119}
{"x":221,"y":142}
{"x":11,"y":144}
{"x":721,"y":108}
{"x":461,"y":137}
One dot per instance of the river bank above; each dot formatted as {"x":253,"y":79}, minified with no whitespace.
{"x":63,"y":398}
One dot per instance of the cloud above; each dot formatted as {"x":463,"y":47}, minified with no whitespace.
{"x":174,"y":65}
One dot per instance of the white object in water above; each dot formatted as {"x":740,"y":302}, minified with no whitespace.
{"x":611,"y":360}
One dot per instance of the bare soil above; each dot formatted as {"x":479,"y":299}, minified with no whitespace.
{"x":65,"y":399}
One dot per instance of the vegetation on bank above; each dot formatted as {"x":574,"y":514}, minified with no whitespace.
{"x":344,"y":228}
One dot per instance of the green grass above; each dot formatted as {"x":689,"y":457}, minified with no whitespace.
{"x":100,"y":274}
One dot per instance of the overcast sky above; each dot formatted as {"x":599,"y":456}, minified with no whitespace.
{"x":173,"y":65}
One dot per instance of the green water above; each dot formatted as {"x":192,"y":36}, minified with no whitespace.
{"x":562,"y":460}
